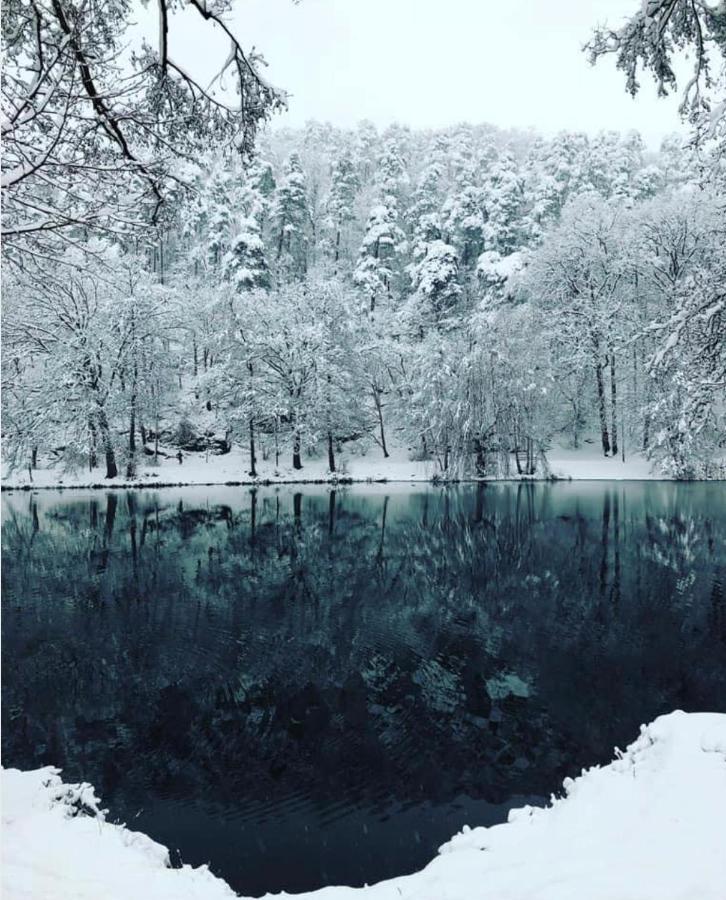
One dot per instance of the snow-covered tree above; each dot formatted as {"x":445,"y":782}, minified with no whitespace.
{"x":380,"y":258}
{"x":291,"y":220}
{"x":507,"y":227}
{"x":245,"y":263}
{"x":652,"y":38}
{"x":434,"y":275}
{"x":684,"y":270}
{"x":576,"y":277}
{"x":477,"y":294}
{"x":83,"y":350}
{"x":91,"y":141}
{"x":340,"y":206}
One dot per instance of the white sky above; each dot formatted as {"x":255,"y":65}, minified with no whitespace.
{"x":513,"y":63}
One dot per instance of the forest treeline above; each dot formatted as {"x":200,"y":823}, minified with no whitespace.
{"x":475,"y":295}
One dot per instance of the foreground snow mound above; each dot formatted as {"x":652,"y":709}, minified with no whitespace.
{"x":649,"y":826}
{"x":57,"y":844}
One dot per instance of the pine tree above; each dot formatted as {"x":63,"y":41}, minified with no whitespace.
{"x":427,"y":198}
{"x":380,"y":259}
{"x":464,"y":224}
{"x":434,"y":279}
{"x":380,"y":254}
{"x":340,"y":207}
{"x":245,"y":263}
{"x":366,"y":144}
{"x":291,"y":220}
{"x":507,"y":227}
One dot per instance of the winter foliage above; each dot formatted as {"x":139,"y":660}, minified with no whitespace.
{"x":475,"y":295}
{"x":100,"y":119}
{"x":177,"y":277}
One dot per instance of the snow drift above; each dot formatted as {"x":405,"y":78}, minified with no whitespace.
{"x":649,"y":826}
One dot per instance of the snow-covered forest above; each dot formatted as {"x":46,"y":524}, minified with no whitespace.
{"x":471,"y":294}
{"x":264,"y":317}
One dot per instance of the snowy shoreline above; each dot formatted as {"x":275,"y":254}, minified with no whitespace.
{"x":644,"y":826}
{"x":330,"y":482}
{"x":231,"y":469}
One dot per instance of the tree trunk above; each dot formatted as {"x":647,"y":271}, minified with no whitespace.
{"x":516,"y":454}
{"x":331,"y":454}
{"x":131,"y":465}
{"x":601,"y":408}
{"x":379,"y":410}
{"x":296,"y":460}
{"x":92,"y":455}
{"x":111,"y":468}
{"x":196,"y":357}
{"x":481,"y":456}
{"x":253,"y":460}
{"x":34,"y":458}
{"x":647,"y":397}
{"x":614,"y":404}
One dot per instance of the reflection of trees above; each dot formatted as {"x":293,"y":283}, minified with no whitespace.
{"x":345,"y":644}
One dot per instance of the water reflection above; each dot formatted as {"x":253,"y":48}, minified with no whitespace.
{"x":320,"y":687}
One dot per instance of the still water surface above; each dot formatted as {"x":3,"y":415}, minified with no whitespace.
{"x":314,"y":688}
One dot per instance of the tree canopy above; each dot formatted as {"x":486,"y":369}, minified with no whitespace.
{"x":98,"y":126}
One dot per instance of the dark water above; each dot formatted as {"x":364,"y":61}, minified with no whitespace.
{"x":316,"y":688}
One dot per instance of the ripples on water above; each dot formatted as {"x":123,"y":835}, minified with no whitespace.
{"x":315,"y":688}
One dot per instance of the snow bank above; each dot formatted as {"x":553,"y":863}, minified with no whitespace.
{"x":51,"y":851}
{"x":588,"y":464}
{"x":198,"y":468}
{"x":649,"y":826}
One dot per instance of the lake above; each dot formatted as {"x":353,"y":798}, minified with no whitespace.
{"x":304,"y":687}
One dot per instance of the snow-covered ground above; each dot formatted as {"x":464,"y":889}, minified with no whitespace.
{"x":200,"y":468}
{"x":649,"y":826}
{"x":588,"y":463}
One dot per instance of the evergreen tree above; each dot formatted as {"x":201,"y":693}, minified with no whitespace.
{"x":507,"y":227}
{"x":379,"y":260}
{"x":340,"y":207}
{"x":291,"y":220}
{"x":435,"y":282}
{"x":245,"y":263}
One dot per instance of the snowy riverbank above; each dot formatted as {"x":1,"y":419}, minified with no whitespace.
{"x":647,"y":826}
{"x":586,"y":463}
